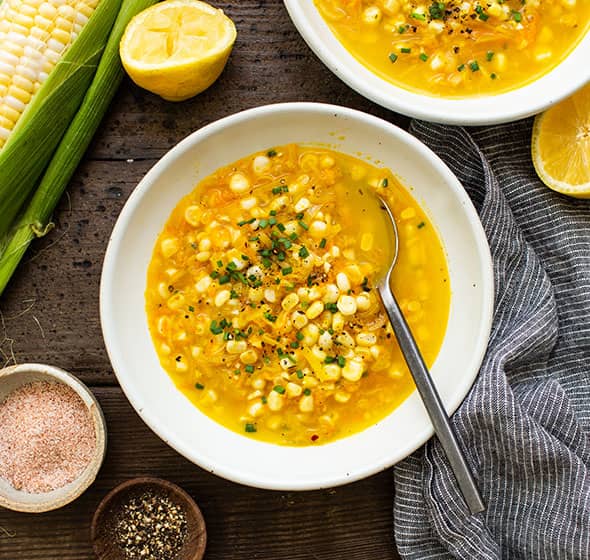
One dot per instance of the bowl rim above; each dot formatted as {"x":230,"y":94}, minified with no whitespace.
{"x":88,"y":476}
{"x":108,"y":285}
{"x":512,"y":105}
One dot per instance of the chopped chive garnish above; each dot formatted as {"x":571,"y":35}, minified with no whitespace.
{"x":220,"y":263}
{"x":233,"y":295}
{"x":307,"y":392}
{"x":249,"y":368}
{"x":293,"y":236}
{"x":303,"y":252}
{"x":329,"y":359}
{"x":223,"y":279}
{"x":279,"y":389}
{"x":341,"y":361}
{"x":281,"y":227}
{"x":263,"y":223}
{"x":332,"y":307}
{"x":273,"y":212}
{"x":517,"y":16}
{"x":244,"y":222}
{"x":480,"y":12}
{"x":489,"y":55}
{"x":461,"y":67}
{"x":250,"y":428}
{"x":191,"y":308}
{"x":294,"y":344}
{"x":245,"y":258}
{"x":299,"y":215}
{"x":303,"y":225}
{"x":299,"y":374}
{"x":272,"y":221}
{"x":271,"y":153}
{"x":299,"y":336}
{"x":323,"y":243}
{"x":402,"y":29}
{"x":270,"y":317}
{"x":406,"y":50}
{"x":423,"y":57}
{"x":232,"y":266}
{"x":266,"y":263}
{"x":199,"y":386}
{"x":255,"y":238}
{"x":215,"y":328}
{"x":437,"y":10}
{"x":493,"y":76}
{"x":263,"y":400}
{"x":416,"y":15}
{"x":287,"y":270}
{"x":392,"y":57}
{"x":421,"y":225}
{"x":474,"y":66}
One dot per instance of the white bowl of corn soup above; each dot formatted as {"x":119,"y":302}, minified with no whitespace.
{"x":455,"y":62}
{"x":238,"y":300}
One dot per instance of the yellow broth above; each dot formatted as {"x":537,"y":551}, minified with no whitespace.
{"x":458,"y":48}
{"x":261,"y":296}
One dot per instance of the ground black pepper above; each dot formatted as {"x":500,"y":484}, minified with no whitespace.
{"x":150,"y":527}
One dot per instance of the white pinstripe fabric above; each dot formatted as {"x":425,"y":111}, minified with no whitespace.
{"x":526,"y":423}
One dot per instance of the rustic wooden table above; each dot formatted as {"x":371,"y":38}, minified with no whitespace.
{"x":49,"y":314}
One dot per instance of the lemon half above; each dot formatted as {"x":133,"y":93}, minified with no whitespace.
{"x":177,"y":48}
{"x":561,"y":145}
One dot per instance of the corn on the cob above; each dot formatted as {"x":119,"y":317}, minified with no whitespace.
{"x":34,"y":34}
{"x":35,"y":220}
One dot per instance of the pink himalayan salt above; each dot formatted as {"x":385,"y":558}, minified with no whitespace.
{"x":47,"y":437}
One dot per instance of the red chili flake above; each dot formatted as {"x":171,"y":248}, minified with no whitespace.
{"x":315,"y":437}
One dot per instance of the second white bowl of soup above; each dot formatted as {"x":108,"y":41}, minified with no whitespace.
{"x":455,"y":62}
{"x":238,"y":302}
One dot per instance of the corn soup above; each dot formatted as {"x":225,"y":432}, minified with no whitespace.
{"x":261,"y":297}
{"x":460,"y":47}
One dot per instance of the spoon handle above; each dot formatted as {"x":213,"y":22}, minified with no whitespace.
{"x":432,"y":402}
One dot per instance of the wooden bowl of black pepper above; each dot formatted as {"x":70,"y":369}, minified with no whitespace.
{"x":148,"y":518}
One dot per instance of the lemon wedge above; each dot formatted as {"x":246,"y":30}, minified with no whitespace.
{"x":561,"y":145}
{"x":177,"y":48}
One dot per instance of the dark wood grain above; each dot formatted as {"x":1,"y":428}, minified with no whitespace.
{"x":352,"y":522}
{"x":49,"y":313}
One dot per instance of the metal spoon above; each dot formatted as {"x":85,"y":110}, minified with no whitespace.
{"x":425,"y":385}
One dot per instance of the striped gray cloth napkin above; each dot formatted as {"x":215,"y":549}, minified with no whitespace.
{"x":525,"y":425}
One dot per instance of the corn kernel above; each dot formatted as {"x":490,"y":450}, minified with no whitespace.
{"x":337,"y":322}
{"x":347,"y":305}
{"x":256,"y":409}
{"x":332,"y":372}
{"x":249,"y":357}
{"x":318,"y":228}
{"x":181,"y":366}
{"x":261,"y":164}
{"x":203,"y":256}
{"x":372,"y":15}
{"x":249,"y":203}
{"x":366,"y":339}
{"x":270,"y":295}
{"x":306,"y":403}
{"x":342,"y":282}
{"x":236,"y":346}
{"x":342,"y":397}
{"x":275,"y":401}
{"x":168,"y":247}
{"x":239,"y":183}
{"x":294,"y":390}
{"x":290,"y":301}
{"x":299,"y":319}
{"x":352,"y":370}
{"x":367,"y":241}
{"x":192,"y":215}
{"x":363,"y":302}
{"x":203,"y":284}
{"x":345,"y":339}
{"x":222,"y":298}
{"x":176,"y":301}
{"x":311,"y":334}
{"x":332,"y":293}
{"x":302,"y":204}
{"x":259,"y":383}
{"x":314,"y":310}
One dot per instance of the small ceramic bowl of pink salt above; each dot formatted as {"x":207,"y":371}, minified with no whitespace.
{"x":52,"y":438}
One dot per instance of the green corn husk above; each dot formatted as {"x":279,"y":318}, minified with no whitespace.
{"x":37,"y":133}
{"x":35,"y":221}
